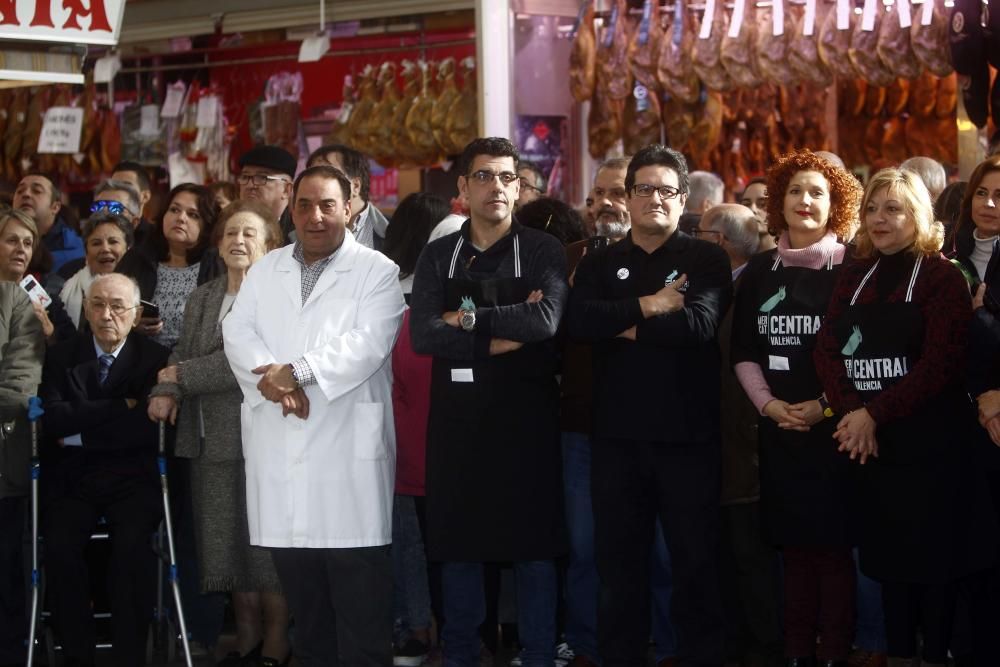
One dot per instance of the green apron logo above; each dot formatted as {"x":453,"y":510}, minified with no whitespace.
{"x":853,"y":343}
{"x":778,"y":297}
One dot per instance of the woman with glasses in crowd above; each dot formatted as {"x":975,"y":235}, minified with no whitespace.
{"x":106,"y":238}
{"x":803,"y":481}
{"x":23,"y":256}
{"x":891,"y":355}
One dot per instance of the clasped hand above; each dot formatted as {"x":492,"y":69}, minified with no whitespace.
{"x":856,"y":435}
{"x":278,"y":385}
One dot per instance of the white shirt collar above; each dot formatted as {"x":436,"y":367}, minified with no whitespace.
{"x":114,"y":353}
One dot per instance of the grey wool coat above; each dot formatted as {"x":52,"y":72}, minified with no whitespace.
{"x":207,"y":391}
{"x":22,"y":348}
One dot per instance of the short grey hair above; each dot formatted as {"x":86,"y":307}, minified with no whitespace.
{"x":737,"y":224}
{"x":133,"y":205}
{"x":930,"y":171}
{"x":108,"y":218}
{"x":117,"y":277}
{"x":832,"y":158}
{"x":704,"y":186}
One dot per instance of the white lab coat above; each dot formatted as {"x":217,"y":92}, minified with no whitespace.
{"x":326,"y":482}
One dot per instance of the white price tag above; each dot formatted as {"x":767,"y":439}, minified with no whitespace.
{"x":843,"y":14}
{"x":778,"y":17}
{"x":903,"y":7}
{"x":208,"y":111}
{"x":181,"y":170}
{"x":927,"y":12}
{"x":106,"y":68}
{"x":61,"y":130}
{"x":809,"y":20}
{"x":175,"y":98}
{"x":868,"y":15}
{"x":736,"y":21}
{"x":707,"y":19}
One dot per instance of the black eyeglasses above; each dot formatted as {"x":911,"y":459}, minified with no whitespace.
{"x":111,"y":206}
{"x":260,"y":180}
{"x":529,"y":186}
{"x":647,"y":190}
{"x":484,"y":177}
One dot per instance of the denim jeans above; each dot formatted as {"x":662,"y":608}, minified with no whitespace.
{"x":411,"y":595}
{"x":465,"y":609}
{"x":660,"y":589}
{"x":582,"y":583}
{"x":869,"y":633}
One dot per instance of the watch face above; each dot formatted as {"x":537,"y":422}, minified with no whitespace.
{"x":468,"y":320}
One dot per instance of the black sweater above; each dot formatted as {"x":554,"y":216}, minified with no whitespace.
{"x":664,"y":386}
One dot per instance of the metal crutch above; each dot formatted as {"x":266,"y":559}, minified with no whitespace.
{"x":161,"y":462}
{"x":34,"y":413}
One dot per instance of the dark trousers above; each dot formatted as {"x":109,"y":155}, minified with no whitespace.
{"x":820,"y":587}
{"x":750,"y":586}
{"x":13,"y":614}
{"x":341,"y":604}
{"x":912,"y":607}
{"x":133,"y":507}
{"x":633,"y":482}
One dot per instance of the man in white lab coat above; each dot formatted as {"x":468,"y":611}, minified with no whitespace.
{"x":309,"y":339}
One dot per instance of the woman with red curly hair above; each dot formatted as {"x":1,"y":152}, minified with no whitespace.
{"x":780,"y":305}
{"x":891,"y":355}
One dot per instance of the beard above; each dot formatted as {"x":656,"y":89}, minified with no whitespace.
{"x":612,"y":224}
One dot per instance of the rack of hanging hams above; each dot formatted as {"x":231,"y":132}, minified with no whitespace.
{"x":22,"y":111}
{"x":414,"y":114}
{"x":734,"y":84}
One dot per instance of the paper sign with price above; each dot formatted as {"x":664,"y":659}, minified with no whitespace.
{"x":61,"y":130}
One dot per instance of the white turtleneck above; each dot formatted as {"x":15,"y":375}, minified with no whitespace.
{"x":982,"y":252}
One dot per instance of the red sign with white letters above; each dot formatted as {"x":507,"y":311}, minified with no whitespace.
{"x":77,"y":21}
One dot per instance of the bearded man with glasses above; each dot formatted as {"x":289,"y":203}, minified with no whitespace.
{"x":486,"y":305}
{"x":651,"y":306}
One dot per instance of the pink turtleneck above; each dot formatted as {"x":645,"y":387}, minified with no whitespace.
{"x":814,"y":256}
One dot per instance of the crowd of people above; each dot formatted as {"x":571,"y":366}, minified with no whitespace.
{"x":759,"y":432}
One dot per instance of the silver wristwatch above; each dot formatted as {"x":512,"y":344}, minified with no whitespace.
{"x":467,"y":319}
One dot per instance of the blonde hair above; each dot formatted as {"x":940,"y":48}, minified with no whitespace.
{"x":906,"y":186}
{"x":22,"y":217}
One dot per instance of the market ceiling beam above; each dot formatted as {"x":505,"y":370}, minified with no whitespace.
{"x":164,"y":19}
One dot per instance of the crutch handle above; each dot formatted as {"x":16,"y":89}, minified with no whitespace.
{"x":35,"y":410}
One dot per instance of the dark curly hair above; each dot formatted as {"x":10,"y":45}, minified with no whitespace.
{"x":845,"y":192}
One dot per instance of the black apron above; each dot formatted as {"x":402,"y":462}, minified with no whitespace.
{"x":920,"y":503}
{"x":494,"y":489}
{"x":804,"y":481}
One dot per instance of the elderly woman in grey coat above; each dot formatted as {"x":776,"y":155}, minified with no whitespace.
{"x":198,"y":392}
{"x":21,"y":349}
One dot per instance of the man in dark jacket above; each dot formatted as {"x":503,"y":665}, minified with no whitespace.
{"x":651,"y":304}
{"x":486,"y":304}
{"x":21,"y":350}
{"x":99,"y":455}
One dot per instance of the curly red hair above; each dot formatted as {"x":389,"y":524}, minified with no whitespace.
{"x":845,"y":191}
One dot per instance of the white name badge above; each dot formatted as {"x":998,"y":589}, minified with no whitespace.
{"x":461,"y":375}
{"x":776,"y":363}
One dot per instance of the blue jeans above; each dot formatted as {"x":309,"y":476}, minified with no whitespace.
{"x":411,"y":594}
{"x":581,"y":574}
{"x":660,"y":588}
{"x":465,"y":609}
{"x":869,"y":633}
{"x":582,"y":583}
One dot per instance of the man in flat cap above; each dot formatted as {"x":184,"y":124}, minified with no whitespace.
{"x":266,"y":174}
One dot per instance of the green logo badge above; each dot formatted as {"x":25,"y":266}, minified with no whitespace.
{"x":853,"y":343}
{"x":467,"y":304}
{"x":778,"y":297}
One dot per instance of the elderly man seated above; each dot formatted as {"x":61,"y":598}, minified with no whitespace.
{"x":99,"y":459}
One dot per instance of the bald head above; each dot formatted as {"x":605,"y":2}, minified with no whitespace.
{"x":930,"y":171}
{"x":738,"y":229}
{"x":832,"y":158}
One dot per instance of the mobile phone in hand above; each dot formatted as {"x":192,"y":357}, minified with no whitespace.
{"x":35,"y":291}
{"x":150,"y":309}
